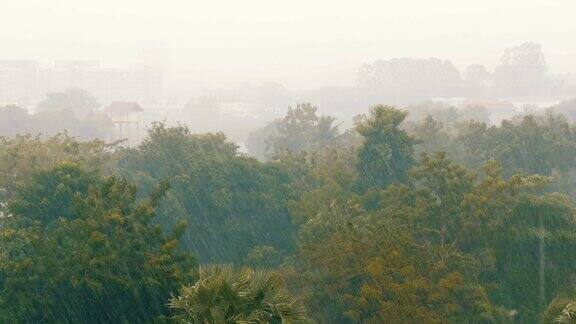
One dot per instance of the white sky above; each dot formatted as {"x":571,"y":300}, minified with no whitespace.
{"x":299,"y":43}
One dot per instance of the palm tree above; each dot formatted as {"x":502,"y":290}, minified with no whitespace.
{"x":226,"y":294}
{"x":568,"y":313}
{"x":560,"y":310}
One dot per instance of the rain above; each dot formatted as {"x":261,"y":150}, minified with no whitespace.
{"x":287,"y":162}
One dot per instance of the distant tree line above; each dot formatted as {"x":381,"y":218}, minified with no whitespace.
{"x":73,"y":111}
{"x":521,"y":73}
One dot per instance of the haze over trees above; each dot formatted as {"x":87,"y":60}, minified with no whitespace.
{"x":522,"y":69}
{"x":429,"y":213}
{"x":73,"y":111}
{"x":521,"y":77}
{"x":419,"y":193}
{"x":429,"y":218}
{"x":402,"y":77}
{"x":217,"y":191}
{"x":287,"y":162}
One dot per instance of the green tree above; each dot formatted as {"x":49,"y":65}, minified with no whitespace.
{"x":531,"y":145}
{"x":328,"y":175}
{"x":441,"y":187}
{"x":258,"y":141}
{"x":225,"y":294}
{"x":296,"y":129}
{"x":370,"y":267}
{"x":386,"y":155}
{"x":264,"y":256}
{"x":561,"y":310}
{"x":515,"y":229}
{"x":99,"y":260}
{"x":224,"y":196}
{"x":498,"y":244}
{"x":53,"y":194}
{"x":23,"y":156}
{"x":303,"y":130}
{"x":432,"y":136}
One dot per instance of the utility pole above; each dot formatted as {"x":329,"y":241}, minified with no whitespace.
{"x":542,"y":257}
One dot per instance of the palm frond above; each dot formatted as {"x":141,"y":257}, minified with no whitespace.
{"x":228,"y":294}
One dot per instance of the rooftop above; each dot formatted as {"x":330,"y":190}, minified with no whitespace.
{"x":122,"y":107}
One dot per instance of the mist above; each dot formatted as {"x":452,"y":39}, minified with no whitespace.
{"x":287,"y":162}
{"x":299,"y":44}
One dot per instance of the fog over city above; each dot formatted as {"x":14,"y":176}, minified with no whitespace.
{"x":300,"y":44}
{"x":257,"y":58}
{"x":265,"y":161}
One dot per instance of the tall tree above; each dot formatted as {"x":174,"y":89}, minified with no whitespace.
{"x":89,"y":254}
{"x":358,"y":265}
{"x":23,"y":156}
{"x":302,"y":129}
{"x":432,"y":136}
{"x":219,"y":192}
{"x":387,"y":152}
{"x":532,"y":145}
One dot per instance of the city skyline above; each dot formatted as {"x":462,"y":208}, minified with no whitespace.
{"x":300,"y":44}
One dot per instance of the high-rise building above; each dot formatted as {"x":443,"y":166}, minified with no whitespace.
{"x":18,"y":82}
{"x":138,"y":83}
{"x":23,"y":83}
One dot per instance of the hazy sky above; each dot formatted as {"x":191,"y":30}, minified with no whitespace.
{"x":300,"y":43}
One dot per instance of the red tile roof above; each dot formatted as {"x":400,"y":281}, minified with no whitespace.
{"x":122,"y":107}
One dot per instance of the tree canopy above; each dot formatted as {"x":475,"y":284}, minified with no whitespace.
{"x":217,"y":191}
{"x":89,"y":253}
{"x":434,"y":218}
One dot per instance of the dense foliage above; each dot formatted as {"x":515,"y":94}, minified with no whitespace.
{"x":434,"y":217}
{"x":222,"y":195}
{"x":224,"y":294}
{"x":77,"y":248}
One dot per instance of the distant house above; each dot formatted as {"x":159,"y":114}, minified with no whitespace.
{"x":126,"y":119}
